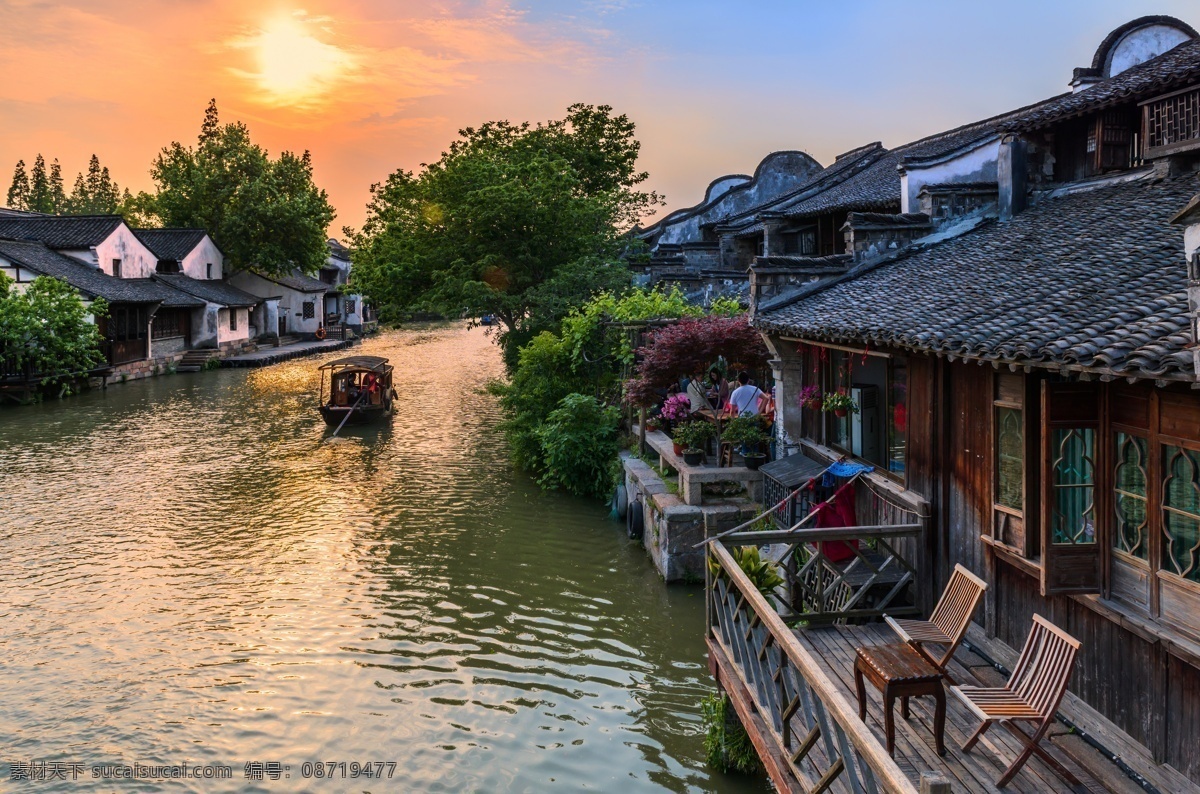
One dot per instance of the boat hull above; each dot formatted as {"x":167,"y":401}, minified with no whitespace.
{"x":334,"y":414}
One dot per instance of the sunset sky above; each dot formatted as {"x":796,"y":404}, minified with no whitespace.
{"x":370,"y":86}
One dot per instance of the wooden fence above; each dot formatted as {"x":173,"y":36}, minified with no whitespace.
{"x":808,"y":737}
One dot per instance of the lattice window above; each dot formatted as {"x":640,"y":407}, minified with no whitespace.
{"x":1181,"y":512}
{"x":309,"y":310}
{"x":1129,"y":496}
{"x":168,"y":323}
{"x":1173,"y":121}
{"x":1010,"y":458}
{"x":350,"y":304}
{"x":1073,"y":470}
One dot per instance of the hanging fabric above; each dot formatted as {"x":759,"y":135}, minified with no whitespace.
{"x":835,"y":513}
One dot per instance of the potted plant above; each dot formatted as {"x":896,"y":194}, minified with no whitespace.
{"x":746,"y":432}
{"x":693,"y":436}
{"x":810,"y":397}
{"x":676,"y":408}
{"x":840,"y":403}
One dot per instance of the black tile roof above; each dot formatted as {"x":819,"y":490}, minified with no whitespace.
{"x":878,"y":185}
{"x":299,"y":282}
{"x":1093,"y":280}
{"x":1173,"y":69}
{"x":212,"y":291}
{"x":90,"y":280}
{"x":840,"y":169}
{"x":60,"y":231}
{"x":172,"y":245}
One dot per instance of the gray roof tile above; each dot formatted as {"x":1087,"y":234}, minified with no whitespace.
{"x":60,"y":231}
{"x":1094,"y":279}
{"x":90,"y":280}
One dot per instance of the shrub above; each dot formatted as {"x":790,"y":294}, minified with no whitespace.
{"x":727,"y":746}
{"x":744,"y":431}
{"x":579,"y":441}
{"x":542,"y":379}
{"x":694,"y":435}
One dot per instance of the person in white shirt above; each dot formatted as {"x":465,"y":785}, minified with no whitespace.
{"x":746,"y":399}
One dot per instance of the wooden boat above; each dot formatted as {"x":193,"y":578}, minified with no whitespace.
{"x":360,"y":390}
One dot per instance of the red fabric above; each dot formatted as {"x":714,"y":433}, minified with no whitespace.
{"x":837,"y":512}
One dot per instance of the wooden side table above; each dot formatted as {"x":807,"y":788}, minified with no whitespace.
{"x":899,"y":671}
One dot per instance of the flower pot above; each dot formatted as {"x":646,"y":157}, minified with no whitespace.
{"x":839,"y":412}
{"x":677,"y":448}
{"x":754,"y":460}
{"x":692,"y":457}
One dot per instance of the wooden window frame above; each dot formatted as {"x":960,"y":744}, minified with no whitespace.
{"x":1073,"y":568}
{"x":1028,"y":403}
{"x":827,"y":435}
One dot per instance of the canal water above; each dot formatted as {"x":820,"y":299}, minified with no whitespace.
{"x":193,"y":573}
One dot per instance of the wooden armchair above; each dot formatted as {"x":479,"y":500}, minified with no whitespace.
{"x":1037,"y":686}
{"x":948,"y":624}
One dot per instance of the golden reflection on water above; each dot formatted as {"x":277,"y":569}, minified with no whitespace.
{"x":194,"y":571}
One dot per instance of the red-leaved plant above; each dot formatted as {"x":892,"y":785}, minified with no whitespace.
{"x":689,"y":347}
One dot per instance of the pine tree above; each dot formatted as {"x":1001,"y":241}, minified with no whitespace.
{"x":18,"y":192}
{"x":79,"y":203}
{"x":58,"y":196}
{"x":212,"y":124}
{"x":109,"y":195}
{"x":94,"y":185}
{"x":39,"y":188}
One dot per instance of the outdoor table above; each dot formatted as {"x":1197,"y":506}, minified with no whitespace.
{"x":899,"y":671}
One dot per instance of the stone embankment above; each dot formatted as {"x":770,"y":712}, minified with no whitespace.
{"x":681,"y":505}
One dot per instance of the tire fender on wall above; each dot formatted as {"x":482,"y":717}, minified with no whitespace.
{"x":635,"y":525}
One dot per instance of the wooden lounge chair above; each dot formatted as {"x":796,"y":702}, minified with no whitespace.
{"x":1037,"y":686}
{"x":948,"y":624}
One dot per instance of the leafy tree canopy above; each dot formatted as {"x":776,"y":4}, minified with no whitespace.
{"x":514,"y":220}
{"x":688,"y":348}
{"x":46,"y":330}
{"x":263,"y":213}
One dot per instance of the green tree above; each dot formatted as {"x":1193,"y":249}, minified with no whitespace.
{"x":48,"y":330}
{"x":95,"y":194}
{"x":40,"y":198}
{"x":58,"y":196}
{"x":517,"y":221}
{"x":263,"y":213}
{"x":18,"y":191}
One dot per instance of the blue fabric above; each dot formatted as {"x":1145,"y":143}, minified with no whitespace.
{"x":848,"y":468}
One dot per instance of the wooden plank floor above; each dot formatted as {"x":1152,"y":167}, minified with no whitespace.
{"x":976,"y":771}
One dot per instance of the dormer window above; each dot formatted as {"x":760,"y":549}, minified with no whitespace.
{"x":1171,"y":123}
{"x":208,"y":270}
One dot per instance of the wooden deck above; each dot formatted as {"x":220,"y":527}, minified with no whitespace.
{"x":978,"y":770}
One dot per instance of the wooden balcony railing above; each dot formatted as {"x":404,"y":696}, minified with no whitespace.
{"x":807,"y":735}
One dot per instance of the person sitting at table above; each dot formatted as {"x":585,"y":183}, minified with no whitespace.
{"x":746,"y":398}
{"x":718,"y":388}
{"x":696,"y":395}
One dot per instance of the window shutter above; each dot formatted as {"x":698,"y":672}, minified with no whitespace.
{"x":1069,"y":527}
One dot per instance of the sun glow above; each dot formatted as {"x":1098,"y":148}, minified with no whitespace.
{"x":293,"y":65}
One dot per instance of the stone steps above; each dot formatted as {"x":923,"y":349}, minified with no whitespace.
{"x":195,"y":360}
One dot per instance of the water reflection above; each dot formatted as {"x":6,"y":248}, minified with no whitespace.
{"x":194,"y":571}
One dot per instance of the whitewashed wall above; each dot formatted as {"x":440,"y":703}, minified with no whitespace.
{"x":205,"y":253}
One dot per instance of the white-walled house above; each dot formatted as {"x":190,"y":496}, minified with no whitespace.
{"x":188,"y":251}
{"x":300,"y":299}
{"x":224,"y":322}
{"x":104,"y":241}
{"x":137,"y":308}
{"x":343,"y":305}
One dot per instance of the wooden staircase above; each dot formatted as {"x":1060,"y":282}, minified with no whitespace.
{"x":195,"y":360}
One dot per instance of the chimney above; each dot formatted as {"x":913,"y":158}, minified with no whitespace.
{"x":1011,"y":171}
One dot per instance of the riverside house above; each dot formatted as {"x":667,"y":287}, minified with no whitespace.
{"x":163,"y":286}
{"x":1012,"y":316}
{"x":299,"y":298}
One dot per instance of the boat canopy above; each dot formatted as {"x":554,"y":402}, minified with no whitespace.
{"x":372,"y":363}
